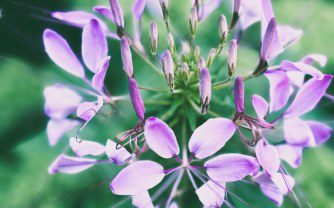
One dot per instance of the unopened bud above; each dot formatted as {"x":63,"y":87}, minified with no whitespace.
{"x":235,"y":17}
{"x":154,"y":38}
{"x":205,"y":89}
{"x":193,"y":19}
{"x":201,"y":63}
{"x":223,"y":29}
{"x":136,"y":98}
{"x":126,"y":57}
{"x":164,"y":8}
{"x":239,"y":95}
{"x":168,"y":68}
{"x":268,"y":47}
{"x":185,"y":67}
{"x":212,"y":56}
{"x":197,"y":53}
{"x":232,"y":57}
{"x":171,"y":44}
{"x":117,"y":13}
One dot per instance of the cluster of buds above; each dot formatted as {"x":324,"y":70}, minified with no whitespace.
{"x":191,"y":80}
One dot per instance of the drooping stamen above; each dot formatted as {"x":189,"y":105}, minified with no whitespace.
{"x":133,"y":135}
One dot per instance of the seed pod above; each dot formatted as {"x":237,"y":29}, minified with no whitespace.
{"x":126,"y":57}
{"x":232,"y":57}
{"x":154,"y":38}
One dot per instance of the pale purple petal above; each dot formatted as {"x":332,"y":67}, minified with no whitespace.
{"x":297,"y":132}
{"x":105,"y":11}
{"x":70,"y":165}
{"x":268,"y":157}
{"x":260,"y":106}
{"x":305,"y":68}
{"x":118,"y":156}
{"x":78,"y":18}
{"x":137,"y":178}
{"x":98,"y":78}
{"x":211,"y":136}
{"x":311,"y":58}
{"x":269,"y":189}
{"x":60,"y":101}
{"x":321,"y":131}
{"x":284,"y":183}
{"x":85,"y":147}
{"x":87,"y":110}
{"x":291,"y":154}
{"x":56,"y":129}
{"x":117,"y":12}
{"x":138,"y":8}
{"x":296,"y":77}
{"x":209,"y":6}
{"x":231,"y":167}
{"x":312,"y":91}
{"x":279,"y":89}
{"x":94,"y":45}
{"x":61,"y":54}
{"x":250,"y":12}
{"x":160,"y":138}
{"x":212,"y":194}
{"x":142,"y":200}
{"x":267,"y":10}
{"x":239,"y":95}
{"x":288,"y":35}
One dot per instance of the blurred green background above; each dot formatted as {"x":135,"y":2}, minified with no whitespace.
{"x":25,"y":70}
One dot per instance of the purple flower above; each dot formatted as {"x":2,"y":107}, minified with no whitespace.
{"x":61,"y":101}
{"x":205,"y":141}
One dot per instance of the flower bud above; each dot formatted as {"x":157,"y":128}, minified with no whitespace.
{"x":117,"y":13}
{"x":223,"y":29}
{"x":239,"y":95}
{"x":212,"y":56}
{"x":168,"y":68}
{"x":136,"y":98}
{"x":232,"y":57}
{"x":236,"y":6}
{"x":268,"y":42}
{"x":193,"y":21}
{"x":126,"y":57}
{"x":235,"y":17}
{"x":201,"y":63}
{"x":154,"y":38}
{"x":164,"y":8}
{"x":205,"y":89}
{"x":197,"y":53}
{"x":185,"y":67}
{"x":171,"y":44}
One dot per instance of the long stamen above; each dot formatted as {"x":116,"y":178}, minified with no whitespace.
{"x":174,"y":189}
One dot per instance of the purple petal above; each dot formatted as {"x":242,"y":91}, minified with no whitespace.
{"x":250,"y":12}
{"x":260,"y":106}
{"x":305,"y":68}
{"x":87,"y":110}
{"x":271,"y":45}
{"x":209,"y":6}
{"x":296,"y":77}
{"x":94,"y":45}
{"x":142,"y":200}
{"x":268,"y":157}
{"x":212,"y":194}
{"x":297,"y":132}
{"x":136,"y":99}
{"x":117,"y":12}
{"x":284,"y":183}
{"x":98,"y":78}
{"x":84,"y":147}
{"x":126,"y":57}
{"x":118,"y":156}
{"x":211,"y":136}
{"x":239,"y":95}
{"x":267,"y":10}
{"x":70,"y":165}
{"x":312,"y":91}
{"x":269,"y":189}
{"x":291,"y":154}
{"x":56,"y":129}
{"x":231,"y":167}
{"x":311,"y":58}
{"x":160,"y":138}
{"x":137,"y":178}
{"x":288,"y":35}
{"x":61,"y":54}
{"x":60,"y":101}
{"x":105,"y":11}
{"x":138,"y":8}
{"x":321,"y":131}
{"x":279,"y":89}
